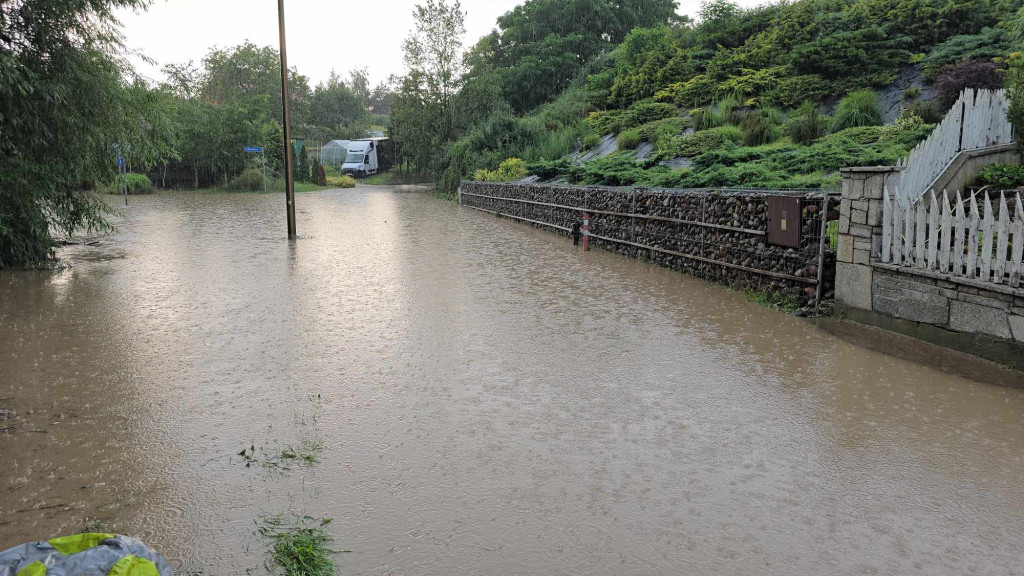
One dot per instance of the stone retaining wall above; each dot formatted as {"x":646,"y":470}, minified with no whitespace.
{"x":964,"y":314}
{"x":713,"y":234}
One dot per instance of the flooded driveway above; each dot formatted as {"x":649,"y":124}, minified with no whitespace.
{"x":490,"y":401}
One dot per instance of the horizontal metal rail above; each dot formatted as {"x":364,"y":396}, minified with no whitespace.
{"x":503,"y":214}
{"x":662,"y":250}
{"x":811,"y":193}
{"x":607,"y":213}
{"x":711,"y":261}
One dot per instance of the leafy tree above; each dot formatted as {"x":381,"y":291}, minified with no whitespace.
{"x":182,"y":80}
{"x":383,"y":95}
{"x":542,"y":45}
{"x":213,"y":136}
{"x":480,"y":99}
{"x":359,"y":82}
{"x":250,"y":76}
{"x":422,"y":110}
{"x":341,"y":110}
{"x":720,"y":24}
{"x":62,"y":107}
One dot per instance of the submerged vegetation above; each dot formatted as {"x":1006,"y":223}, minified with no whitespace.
{"x":299,"y":547}
{"x":779,"y":300}
{"x":306,"y":452}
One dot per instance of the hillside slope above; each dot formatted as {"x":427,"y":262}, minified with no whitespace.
{"x":781,"y":95}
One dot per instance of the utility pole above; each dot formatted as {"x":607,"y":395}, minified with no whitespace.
{"x":289,"y":182}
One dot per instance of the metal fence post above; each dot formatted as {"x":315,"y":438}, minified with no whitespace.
{"x":823,"y":216}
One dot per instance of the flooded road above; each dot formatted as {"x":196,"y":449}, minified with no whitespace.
{"x":490,"y":401}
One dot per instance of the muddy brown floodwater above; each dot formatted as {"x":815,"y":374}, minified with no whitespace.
{"x":490,"y":401}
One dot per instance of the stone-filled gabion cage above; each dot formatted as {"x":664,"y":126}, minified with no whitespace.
{"x":716,"y":234}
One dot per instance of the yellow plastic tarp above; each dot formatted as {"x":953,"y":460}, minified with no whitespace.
{"x":133,"y":566}
{"x":78,"y":542}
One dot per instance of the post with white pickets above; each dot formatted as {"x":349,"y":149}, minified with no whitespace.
{"x":980,"y":241}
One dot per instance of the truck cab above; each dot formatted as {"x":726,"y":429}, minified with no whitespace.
{"x":361,"y":160}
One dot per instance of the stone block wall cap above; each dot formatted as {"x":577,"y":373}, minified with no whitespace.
{"x":996,"y":149}
{"x":855,"y":169}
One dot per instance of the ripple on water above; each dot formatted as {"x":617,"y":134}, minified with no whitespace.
{"x":492,"y":402}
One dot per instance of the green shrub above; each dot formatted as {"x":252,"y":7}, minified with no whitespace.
{"x":629,"y":140}
{"x":807,"y":124}
{"x":131,"y":183}
{"x":1001,"y":176}
{"x":549,"y":169}
{"x":731,"y":111}
{"x":792,"y":91}
{"x":706,"y":118}
{"x":614,"y":170}
{"x":911,"y":93}
{"x":861,"y":135}
{"x":647,"y":111}
{"x":654,"y":131}
{"x":695,"y":92}
{"x":341,"y":181}
{"x":759,"y":126}
{"x":590,"y":141}
{"x":731,"y":133}
{"x":249,"y":181}
{"x":509,"y":171}
{"x":858,"y":108}
{"x":608,"y":121}
{"x":138,"y":183}
{"x":698,"y":143}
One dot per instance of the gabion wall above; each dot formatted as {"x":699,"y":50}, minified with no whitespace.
{"x":715,"y":234}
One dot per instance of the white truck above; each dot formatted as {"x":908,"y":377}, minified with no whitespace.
{"x":368,"y":156}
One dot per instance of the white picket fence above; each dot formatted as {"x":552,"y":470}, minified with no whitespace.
{"x":933,"y":234}
{"x":977,"y":120}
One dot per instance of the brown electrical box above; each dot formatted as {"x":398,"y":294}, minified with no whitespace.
{"x":784,"y":221}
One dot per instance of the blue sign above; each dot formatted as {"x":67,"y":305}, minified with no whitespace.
{"x":253,"y":149}
{"x":120,"y":161}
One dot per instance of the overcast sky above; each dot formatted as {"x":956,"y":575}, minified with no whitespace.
{"x":322,"y":34}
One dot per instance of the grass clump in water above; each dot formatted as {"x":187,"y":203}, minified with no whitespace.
{"x":299,"y":548}
{"x":780,"y":301}
{"x":308,"y":451}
